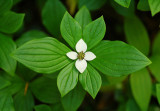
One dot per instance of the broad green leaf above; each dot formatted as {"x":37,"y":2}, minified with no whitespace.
{"x":46,"y":55}
{"x":52,"y":14}
{"x":5,"y":5}
{"x":16,"y":84}
{"x":7,"y":46}
{"x":10,"y":22}
{"x":115,"y":58}
{"x":57,"y":107}
{"x":24,"y":102}
{"x":45,"y":90}
{"x":143,"y":5}
{"x":158,"y":92}
{"x":132,"y":106}
{"x":127,"y":12}
{"x":94,"y":32}
{"x":156,"y":46}
{"x":23,"y":71}
{"x":91,"y":80}
{"x":42,"y":107}
{"x":73,"y":99}
{"x":83,"y":17}
{"x":71,"y":30}
{"x":141,"y":86}
{"x":154,"y":67}
{"x":6,"y":102}
{"x":154,"y":6}
{"x":30,"y":35}
{"x":67,"y":79}
{"x":91,"y":4}
{"x":124,"y":3}
{"x":136,"y":34}
{"x":4,"y":83}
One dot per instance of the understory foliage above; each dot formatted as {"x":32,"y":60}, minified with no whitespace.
{"x":86,"y":55}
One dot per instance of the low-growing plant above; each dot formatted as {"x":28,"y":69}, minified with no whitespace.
{"x":69,"y":61}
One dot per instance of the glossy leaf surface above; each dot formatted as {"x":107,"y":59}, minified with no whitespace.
{"x":46,"y":55}
{"x":118,"y":59}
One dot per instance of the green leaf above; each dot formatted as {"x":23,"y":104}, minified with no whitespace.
{"x":94,"y":32}
{"x":67,"y":79}
{"x":73,"y":99}
{"x":154,"y":6}
{"x":143,"y":5}
{"x":10,"y":22}
{"x":42,"y":107}
{"x":4,"y":83}
{"x":115,"y":58}
{"x":52,"y":14}
{"x":45,"y":90}
{"x":158,"y":92}
{"x":23,"y":102}
{"x":6,"y":102}
{"x":30,"y":35}
{"x":71,"y":30}
{"x":141,"y":88}
{"x":16,"y":84}
{"x":5,"y":5}
{"x":156,"y":58}
{"x":156,"y":47}
{"x":91,"y":4}
{"x":154,"y":67}
{"x":83,"y":17}
{"x":7,"y":45}
{"x":46,"y":55}
{"x":136,"y":34}
{"x":57,"y":107}
{"x":124,"y":3}
{"x":91,"y":80}
{"x":127,"y":12}
{"x":23,"y":71}
{"x":132,"y":106}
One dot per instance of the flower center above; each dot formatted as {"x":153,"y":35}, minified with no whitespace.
{"x":81,"y":55}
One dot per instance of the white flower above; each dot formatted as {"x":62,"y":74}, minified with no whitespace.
{"x":82,"y":56}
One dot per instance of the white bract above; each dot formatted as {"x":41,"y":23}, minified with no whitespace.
{"x":81,"y":55}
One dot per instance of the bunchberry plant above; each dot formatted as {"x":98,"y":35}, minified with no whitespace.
{"x":48,"y":55}
{"x":50,"y":60}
